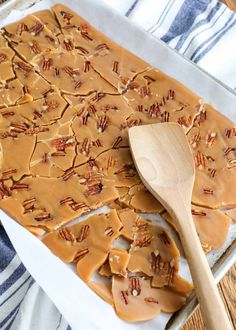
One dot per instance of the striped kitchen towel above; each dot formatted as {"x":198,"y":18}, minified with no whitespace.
{"x":202,"y":30}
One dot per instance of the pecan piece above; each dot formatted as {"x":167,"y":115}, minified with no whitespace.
{"x":65,"y":234}
{"x":211,"y":138}
{"x":68,"y":174}
{"x":44,"y":216}
{"x":21,"y":27}
{"x":134,"y":286}
{"x":5,"y":191}
{"x":196,"y":140}
{"x":86,"y":66}
{"x":3,"y":57}
{"x":83,"y":233}
{"x":230,"y":132}
{"x":208,"y":191}
{"x":102,"y":123}
{"x":117,"y":142}
{"x":144,"y":240}
{"x":68,"y":45}
{"x":20,"y":186}
{"x":85,"y":147}
{"x":80,"y":254}
{"x":109,"y":231}
{"x":200,"y":160}
{"x":86,"y":36}
{"x":61,"y":143}
{"x":70,"y":71}
{"x":198,"y":212}
{"x":212,"y":172}
{"x":7,"y":174}
{"x":46,"y":64}
{"x":93,"y":189}
{"x":165,"y":116}
{"x":28,"y":204}
{"x":124,"y":297}
{"x":36,"y":29}
{"x":101,"y":47}
{"x":66,"y":16}
{"x":6,"y":114}
{"x":83,"y":50}
{"x":164,"y":237}
{"x":144,"y":91}
{"x":151,"y":300}
{"x":115,"y":67}
{"x":23,"y":66}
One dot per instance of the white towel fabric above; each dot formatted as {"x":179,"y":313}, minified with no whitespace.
{"x":202,"y":30}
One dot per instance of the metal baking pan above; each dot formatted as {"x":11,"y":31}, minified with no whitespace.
{"x":223,"y":259}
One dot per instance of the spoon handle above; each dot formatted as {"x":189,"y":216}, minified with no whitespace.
{"x":213,"y":311}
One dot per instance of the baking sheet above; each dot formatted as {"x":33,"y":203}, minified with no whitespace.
{"x":79,"y":305}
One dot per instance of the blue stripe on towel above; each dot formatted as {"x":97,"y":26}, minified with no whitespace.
{"x":6,"y":248}
{"x":212,"y":37}
{"x":203,"y":53}
{"x":185,"y":18}
{"x":18,"y":272}
{"x":202,"y":22}
{"x":129,"y":11}
{"x":162,"y":16}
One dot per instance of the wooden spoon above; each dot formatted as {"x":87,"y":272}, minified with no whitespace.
{"x":165,"y":164}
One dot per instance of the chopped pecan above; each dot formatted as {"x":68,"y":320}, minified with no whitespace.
{"x":83,"y":50}
{"x":21,"y":27}
{"x":66,"y":16}
{"x":101,"y":47}
{"x":165,"y":116}
{"x":109,"y":231}
{"x":6,"y":114}
{"x":68,"y":45}
{"x":208,"y":191}
{"x":20,"y":186}
{"x":8,"y":173}
{"x":3,"y":57}
{"x":230,"y":132}
{"x":196,"y":140}
{"x":28,"y":204}
{"x":80,"y":254}
{"x":115,"y":67}
{"x":144,"y":240}
{"x":124,"y":297}
{"x":134,"y":286}
{"x":34,"y":46}
{"x":154,"y":111}
{"x":5,"y":191}
{"x":65,"y":234}
{"x":164,"y":237}
{"x":44,"y":216}
{"x":46,"y":64}
{"x":200,"y":160}
{"x":162,"y":268}
{"x":184,"y":121}
{"x":70,"y":71}
{"x":93,"y":189}
{"x":86,"y":146}
{"x":212,"y":172}
{"x":36,"y":29}
{"x":211,"y":138}
{"x":86,"y":66}
{"x":144,"y":91}
{"x":151,"y":300}
{"x":83,"y":233}
{"x":102,"y":123}
{"x":23,"y":66}
{"x":117,"y":142}
{"x":68,"y":174}
{"x":198,"y":212}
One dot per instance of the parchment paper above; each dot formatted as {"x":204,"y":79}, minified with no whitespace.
{"x":79,"y":305}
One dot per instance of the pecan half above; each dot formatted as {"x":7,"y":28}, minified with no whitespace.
{"x":20,"y":186}
{"x":21,"y":27}
{"x":65,"y":234}
{"x":230,"y":132}
{"x":200,"y":160}
{"x":28,"y":204}
{"x":117,"y":142}
{"x":86,"y":146}
{"x":144,"y":240}
{"x":36,"y":29}
{"x":144,"y":91}
{"x":34,"y":46}
{"x":83,"y":233}
{"x":68,"y":45}
{"x":23,"y":66}
{"x":208,"y":191}
{"x":102,"y":123}
{"x":109,"y":231}
{"x":124,"y":295}
{"x":102,"y":47}
{"x":212,"y":172}
{"x":44,"y":216}
{"x":46,"y":64}
{"x":68,"y":174}
{"x":165,"y":116}
{"x":71,"y":72}
{"x":164,"y":237}
{"x":134,"y":286}
{"x":80,"y":254}
{"x":94,"y":189}
{"x":83,"y":50}
{"x":211,"y":138}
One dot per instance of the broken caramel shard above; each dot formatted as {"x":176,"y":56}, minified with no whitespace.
{"x":87,"y":243}
{"x":118,"y":261}
{"x":135,"y":299}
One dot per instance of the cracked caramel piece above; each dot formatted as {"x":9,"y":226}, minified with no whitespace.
{"x":156,"y":97}
{"x":71,"y":74}
{"x":6,"y":56}
{"x":10,"y":93}
{"x":114,"y":63}
{"x":212,"y":226}
{"x":118,"y":261}
{"x":87,"y":243}
{"x":141,"y":200}
{"x":45,"y":202}
{"x":29,"y":37}
{"x":213,"y":141}
{"x":36,"y":231}
{"x":135,"y":299}
{"x":33,"y":84}
{"x":49,"y":20}
{"x":105,"y":270}
{"x":18,"y":165}
{"x":102,"y":290}
{"x":153,"y":252}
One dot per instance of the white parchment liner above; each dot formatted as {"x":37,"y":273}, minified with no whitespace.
{"x":79,"y":305}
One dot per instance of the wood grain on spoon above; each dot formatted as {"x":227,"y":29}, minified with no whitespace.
{"x":165,"y":164}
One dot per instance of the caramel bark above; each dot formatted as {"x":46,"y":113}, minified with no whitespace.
{"x":212,"y":226}
{"x":86,"y":243}
{"x":135,"y":299}
{"x":213,"y":140}
{"x":30,"y":37}
{"x":118,"y":261}
{"x":116,"y":64}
